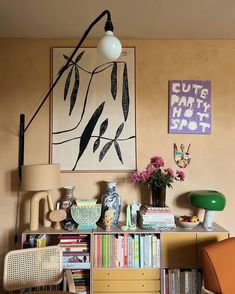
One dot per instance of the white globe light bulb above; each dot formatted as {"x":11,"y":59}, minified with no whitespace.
{"x":109,"y":46}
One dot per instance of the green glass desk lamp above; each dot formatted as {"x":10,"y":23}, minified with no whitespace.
{"x":211,"y":201}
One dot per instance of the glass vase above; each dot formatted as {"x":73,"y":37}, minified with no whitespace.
{"x":158,"y":196}
{"x":111,"y":199}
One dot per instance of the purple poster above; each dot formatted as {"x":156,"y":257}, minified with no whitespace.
{"x":190,"y":107}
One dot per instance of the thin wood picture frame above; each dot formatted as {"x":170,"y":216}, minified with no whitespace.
{"x":93,"y":112}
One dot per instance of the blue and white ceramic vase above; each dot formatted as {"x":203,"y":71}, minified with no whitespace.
{"x":111,"y":199}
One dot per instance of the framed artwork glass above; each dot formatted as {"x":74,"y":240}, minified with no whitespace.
{"x":93,"y":112}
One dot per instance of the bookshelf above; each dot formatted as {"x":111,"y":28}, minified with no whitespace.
{"x":166,"y":260}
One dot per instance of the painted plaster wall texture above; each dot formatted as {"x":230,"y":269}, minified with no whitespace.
{"x":24,"y":79}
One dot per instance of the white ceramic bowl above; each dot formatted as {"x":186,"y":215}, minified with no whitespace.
{"x":187,"y":225}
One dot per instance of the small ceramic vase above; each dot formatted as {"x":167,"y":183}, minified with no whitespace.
{"x":66,"y":204}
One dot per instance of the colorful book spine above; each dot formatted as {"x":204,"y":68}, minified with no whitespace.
{"x":136,"y":251}
{"x":122,"y":252}
{"x":125,"y":250}
{"x":154,"y":251}
{"x":110,"y":250}
{"x":118,"y":250}
{"x":76,"y":258}
{"x":171,"y":281}
{"x":177,"y":280}
{"x":76,"y":265}
{"x":146,"y":251}
{"x":158,"y":252}
{"x":130,"y":251}
{"x":99,"y":252}
{"x":194,"y":281}
{"x":114,"y":250}
{"x":95,"y":251}
{"x":125,"y":253}
{"x":149,"y":251}
{"x":187,"y":289}
{"x":167,"y":281}
{"x":103,"y":251}
{"x":141,"y":251}
{"x":40,"y":240}
{"x":74,"y":248}
{"x":107,"y":250}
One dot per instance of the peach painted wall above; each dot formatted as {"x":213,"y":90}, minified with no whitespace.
{"x":24,"y":79}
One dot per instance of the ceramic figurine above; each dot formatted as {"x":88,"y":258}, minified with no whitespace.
{"x":135,"y":207}
{"x":131,"y":216}
{"x":108,"y":218}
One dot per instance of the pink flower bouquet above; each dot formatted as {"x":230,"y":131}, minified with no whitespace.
{"x":156,"y":175}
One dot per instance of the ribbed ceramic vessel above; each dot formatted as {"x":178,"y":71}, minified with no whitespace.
{"x":86,"y":216}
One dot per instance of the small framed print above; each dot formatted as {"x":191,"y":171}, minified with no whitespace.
{"x":189,"y":107}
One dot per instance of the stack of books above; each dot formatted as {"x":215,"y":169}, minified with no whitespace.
{"x":82,"y":281}
{"x":126,"y":250}
{"x":178,"y":281}
{"x":35,"y":240}
{"x":76,"y":253}
{"x":156,"y":218}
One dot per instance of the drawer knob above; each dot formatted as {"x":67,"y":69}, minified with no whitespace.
{"x":108,"y":285}
{"x":108,"y":274}
{"x":142,"y":285}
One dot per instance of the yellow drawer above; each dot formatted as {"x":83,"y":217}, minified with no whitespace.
{"x":126,"y":274}
{"x":126,"y":286}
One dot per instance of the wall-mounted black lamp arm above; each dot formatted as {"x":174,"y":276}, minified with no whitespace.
{"x":22,"y":129}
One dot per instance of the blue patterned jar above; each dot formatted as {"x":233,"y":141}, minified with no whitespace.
{"x":111,"y":199}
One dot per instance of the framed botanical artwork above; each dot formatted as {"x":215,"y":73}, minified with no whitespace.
{"x":93,"y":112}
{"x":189,"y":107}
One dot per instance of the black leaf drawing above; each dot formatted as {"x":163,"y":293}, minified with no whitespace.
{"x":66,"y":57}
{"x":105,"y":150}
{"x":79,"y":57}
{"x":118,"y":150}
{"x":114,"y":81}
{"x":63,"y":68}
{"x":103,"y":127}
{"x":87,"y":133}
{"x":96,"y":144}
{"x":67,"y":83}
{"x":119,"y":130}
{"x":73,"y":97}
{"x":125,"y":94}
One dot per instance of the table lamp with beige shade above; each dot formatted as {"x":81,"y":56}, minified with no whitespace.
{"x":40,"y":178}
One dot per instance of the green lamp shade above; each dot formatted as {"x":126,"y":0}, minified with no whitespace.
{"x":208,"y":199}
